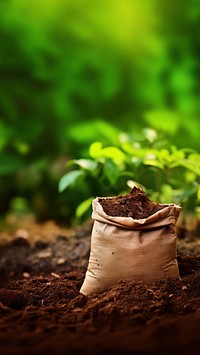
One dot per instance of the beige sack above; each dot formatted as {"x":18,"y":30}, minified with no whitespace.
{"x":123,"y":247}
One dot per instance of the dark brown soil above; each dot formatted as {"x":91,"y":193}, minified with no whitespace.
{"x":42,"y":268}
{"x":136,"y":204}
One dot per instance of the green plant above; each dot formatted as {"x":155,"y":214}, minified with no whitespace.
{"x":70,"y":75}
{"x":168,"y":175}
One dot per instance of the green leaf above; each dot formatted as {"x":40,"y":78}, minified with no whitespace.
{"x":154,"y":163}
{"x":114,"y":153}
{"x":164,"y":156}
{"x":86,"y":164}
{"x":127,"y":173}
{"x":111,"y":171}
{"x":190,"y":165}
{"x":84,"y":207}
{"x":69,"y":179}
{"x":185,"y":194}
{"x":176,"y":154}
{"x":95,"y":150}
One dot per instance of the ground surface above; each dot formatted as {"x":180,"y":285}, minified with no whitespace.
{"x":42,"y":268}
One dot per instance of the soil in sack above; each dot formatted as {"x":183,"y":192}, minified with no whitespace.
{"x":132,"y":237}
{"x":136,"y":204}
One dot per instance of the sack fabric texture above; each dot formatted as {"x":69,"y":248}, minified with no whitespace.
{"x":124,"y":248}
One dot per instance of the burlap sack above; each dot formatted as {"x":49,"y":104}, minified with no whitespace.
{"x":123,"y":247}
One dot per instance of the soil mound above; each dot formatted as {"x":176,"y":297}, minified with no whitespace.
{"x":135,"y":204}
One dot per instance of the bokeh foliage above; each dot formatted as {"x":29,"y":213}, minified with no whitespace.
{"x":73,"y":72}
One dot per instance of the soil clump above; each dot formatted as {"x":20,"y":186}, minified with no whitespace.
{"x":135,"y":204}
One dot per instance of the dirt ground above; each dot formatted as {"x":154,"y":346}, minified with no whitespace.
{"x":42,"y":267}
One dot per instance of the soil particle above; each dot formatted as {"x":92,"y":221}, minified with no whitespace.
{"x":136,"y":204}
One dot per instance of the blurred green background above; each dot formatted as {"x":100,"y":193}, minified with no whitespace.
{"x":76,"y":71}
